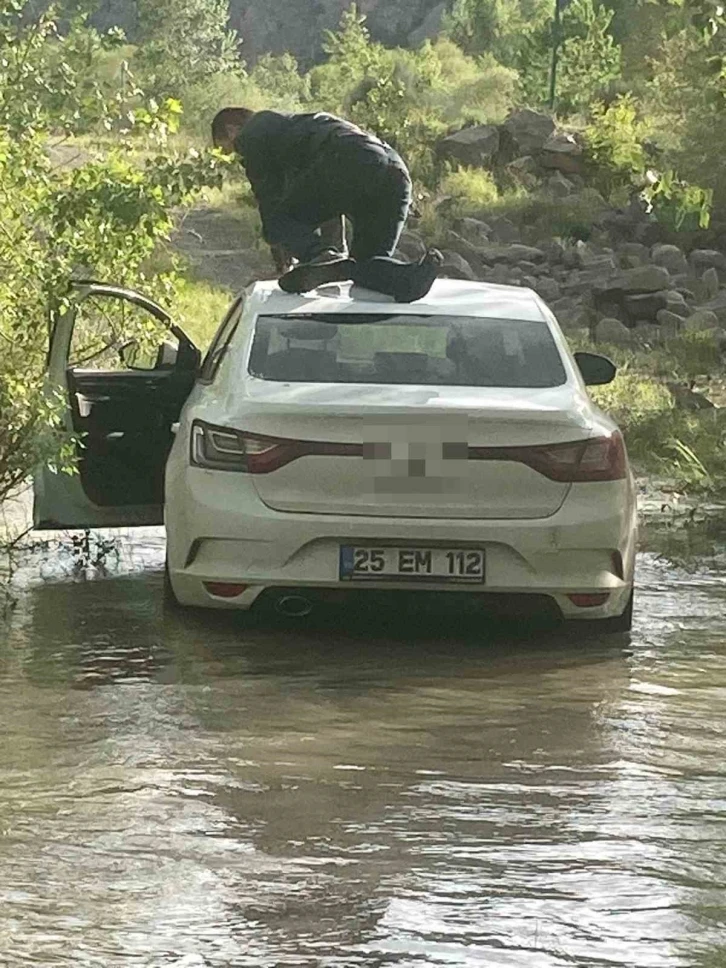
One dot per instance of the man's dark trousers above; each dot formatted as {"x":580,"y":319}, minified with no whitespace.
{"x":371,"y":186}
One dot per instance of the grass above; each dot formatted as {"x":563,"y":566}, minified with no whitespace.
{"x":199,"y":309}
{"x":470,"y":189}
{"x":688,"y":447}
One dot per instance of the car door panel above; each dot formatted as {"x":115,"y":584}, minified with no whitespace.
{"x":125,"y":421}
{"x":122,"y":420}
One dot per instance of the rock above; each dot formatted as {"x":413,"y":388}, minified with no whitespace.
{"x":499,"y":274}
{"x":503,"y":230}
{"x":570,"y":314}
{"x":632,"y":254}
{"x":411,"y":245}
{"x":645,"y":306}
{"x":516,"y":275}
{"x":610,"y":330}
{"x":529,"y":281}
{"x":525,"y":164}
{"x":670,"y":323}
{"x":587,"y":281}
{"x":523,"y":171}
{"x":571,"y":257}
{"x":297,"y":26}
{"x":562,"y":152}
{"x":475,"y":146}
{"x":687,"y":399}
{"x":677,"y":302}
{"x":650,"y":233}
{"x":554,"y":251}
{"x":519,"y":253}
{"x":646,"y":279}
{"x":474,"y":229}
{"x":711,"y":284}
{"x":525,"y":132}
{"x":456,"y":267}
{"x":605,"y":262}
{"x":701,"y":320}
{"x":702,"y":259}
{"x":648,"y":332}
{"x":549,"y":289}
{"x":669,"y":257}
{"x":559,"y":186}
{"x":718,"y":307}
{"x":473,"y":254}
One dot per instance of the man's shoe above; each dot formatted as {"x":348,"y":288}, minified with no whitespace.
{"x":327,"y":267}
{"x":403,"y":281}
{"x":417,"y":278}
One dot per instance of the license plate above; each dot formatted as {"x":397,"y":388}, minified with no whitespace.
{"x":411,"y":564}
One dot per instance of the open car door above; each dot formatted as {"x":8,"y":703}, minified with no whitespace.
{"x":125,"y":371}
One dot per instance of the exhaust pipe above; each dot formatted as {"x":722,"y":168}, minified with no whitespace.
{"x":294,"y":606}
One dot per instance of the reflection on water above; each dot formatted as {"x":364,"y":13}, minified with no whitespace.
{"x":186,"y":791}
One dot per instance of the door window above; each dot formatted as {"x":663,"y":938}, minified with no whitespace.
{"x":112,"y":333}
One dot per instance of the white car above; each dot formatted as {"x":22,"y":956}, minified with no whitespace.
{"x":337,"y":447}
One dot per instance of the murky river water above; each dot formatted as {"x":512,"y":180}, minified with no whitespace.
{"x":185,"y":792}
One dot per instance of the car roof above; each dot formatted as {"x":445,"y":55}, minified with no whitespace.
{"x":448,"y":297}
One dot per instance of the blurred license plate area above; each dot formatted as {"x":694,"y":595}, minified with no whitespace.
{"x":412,"y":564}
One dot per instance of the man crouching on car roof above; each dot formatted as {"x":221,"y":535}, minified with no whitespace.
{"x":309,"y":169}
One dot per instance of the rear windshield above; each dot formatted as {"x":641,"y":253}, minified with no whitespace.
{"x":396,"y":349}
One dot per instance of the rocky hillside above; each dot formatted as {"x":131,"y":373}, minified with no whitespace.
{"x":297,"y":25}
{"x":631,"y":282}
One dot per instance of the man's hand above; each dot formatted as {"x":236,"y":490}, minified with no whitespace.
{"x":283,"y":260}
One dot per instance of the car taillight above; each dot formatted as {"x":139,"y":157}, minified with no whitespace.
{"x":224,"y":449}
{"x":597,"y":459}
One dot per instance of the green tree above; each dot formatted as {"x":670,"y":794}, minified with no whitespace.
{"x":281,"y":80}
{"x":614,"y":142}
{"x":686,"y":96}
{"x":589,"y":57}
{"x":184,"y":42}
{"x":408,"y":97}
{"x":517,"y":33}
{"x":104,"y":217}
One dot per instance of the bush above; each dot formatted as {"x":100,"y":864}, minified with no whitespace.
{"x":614,"y":143}
{"x":103,"y":218}
{"x":279,"y":79}
{"x":184,"y":42}
{"x":470,"y":189}
{"x":516,"y":34}
{"x":589,"y":58}
{"x":408,"y":98}
{"x":472,"y":89}
{"x":678,"y":205}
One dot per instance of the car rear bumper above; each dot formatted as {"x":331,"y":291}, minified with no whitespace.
{"x":220,"y":532}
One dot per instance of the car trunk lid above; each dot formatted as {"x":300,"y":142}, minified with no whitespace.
{"x":391,"y":451}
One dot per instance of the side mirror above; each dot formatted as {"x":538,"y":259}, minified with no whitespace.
{"x":596,"y":370}
{"x":166,"y":357}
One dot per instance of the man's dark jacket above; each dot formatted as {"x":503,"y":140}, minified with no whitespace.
{"x":275,"y":148}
